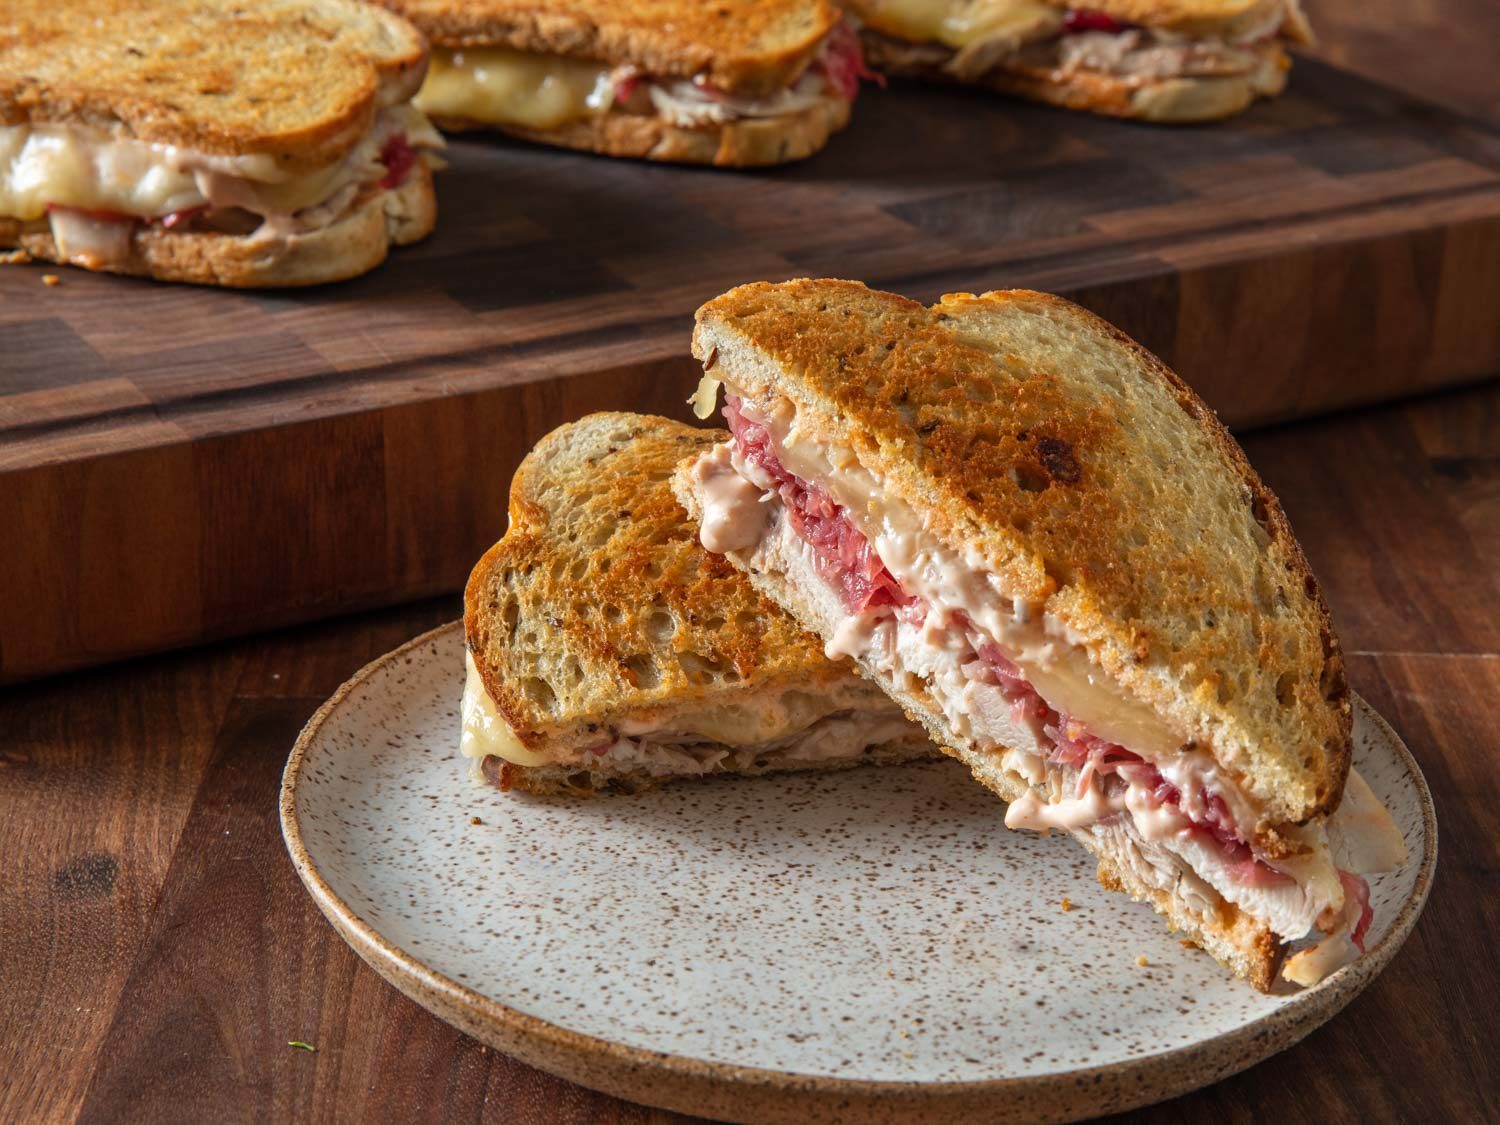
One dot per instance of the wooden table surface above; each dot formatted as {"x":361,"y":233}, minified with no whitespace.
{"x":157,"y":951}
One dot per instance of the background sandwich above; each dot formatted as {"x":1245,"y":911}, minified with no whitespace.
{"x":232,"y":144}
{"x":1178,"y":60}
{"x":1047,"y":549}
{"x":736,"y":82}
{"x":609,"y":652}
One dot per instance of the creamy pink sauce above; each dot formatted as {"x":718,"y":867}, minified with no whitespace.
{"x":846,"y":560}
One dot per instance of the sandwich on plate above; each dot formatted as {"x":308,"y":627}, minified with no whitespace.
{"x":733,"y":82}
{"x":608,"y":652}
{"x":1180,"y":60}
{"x":1046,"y":548}
{"x":264,"y":144}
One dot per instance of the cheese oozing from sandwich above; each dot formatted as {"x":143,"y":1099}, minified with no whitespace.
{"x":787,"y":728}
{"x":93,"y":186}
{"x":1013,"y":681}
{"x":507,"y":87}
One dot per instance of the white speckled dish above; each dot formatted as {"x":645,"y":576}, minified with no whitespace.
{"x":866,"y":946}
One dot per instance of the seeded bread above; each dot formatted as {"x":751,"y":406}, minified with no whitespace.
{"x":748,"y":47}
{"x":598,"y":608}
{"x":745,"y":142}
{"x":353,"y":245}
{"x":1093,"y":483}
{"x":300,"y":80}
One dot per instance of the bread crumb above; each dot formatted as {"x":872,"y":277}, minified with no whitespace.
{"x":475,"y":820}
{"x":51,"y":279}
{"x":1188,"y":944}
{"x":1067,"y":904}
{"x":1141,"y":960}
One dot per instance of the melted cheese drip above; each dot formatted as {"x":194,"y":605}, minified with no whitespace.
{"x":958,"y":24}
{"x":485,"y":733}
{"x":499,"y":86}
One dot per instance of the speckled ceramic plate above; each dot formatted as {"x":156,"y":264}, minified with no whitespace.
{"x":866,"y":946}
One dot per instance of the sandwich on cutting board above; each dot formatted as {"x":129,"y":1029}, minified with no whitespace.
{"x":1158,"y":60}
{"x":733,"y":82}
{"x":1046,"y":548}
{"x":608,"y":652}
{"x":265,"y":144}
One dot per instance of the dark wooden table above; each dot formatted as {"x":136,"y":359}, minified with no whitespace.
{"x":157,"y":951}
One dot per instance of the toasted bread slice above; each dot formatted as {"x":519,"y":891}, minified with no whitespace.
{"x":354,"y":244}
{"x":300,"y":80}
{"x":749,"y":47}
{"x":1226,"y":19}
{"x":743,"y":143}
{"x":618,"y":654}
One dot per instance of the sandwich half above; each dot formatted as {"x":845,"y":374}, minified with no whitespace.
{"x":247,"y":145}
{"x":1179,"y":60}
{"x":608,"y":652}
{"x":734,"y":82}
{"x":1044,"y":546}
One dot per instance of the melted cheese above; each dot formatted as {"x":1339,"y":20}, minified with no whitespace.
{"x":485,"y":733}
{"x":958,"y":24}
{"x":500,"y":86}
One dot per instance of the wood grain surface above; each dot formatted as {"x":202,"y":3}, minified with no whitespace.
{"x":159,"y":952}
{"x":180,"y":463}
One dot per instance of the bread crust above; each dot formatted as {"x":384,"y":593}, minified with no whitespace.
{"x":1163,"y":101}
{"x":299,"y":80}
{"x":1111,"y":496}
{"x":348,"y":247}
{"x":748,"y":47}
{"x":744,"y":143}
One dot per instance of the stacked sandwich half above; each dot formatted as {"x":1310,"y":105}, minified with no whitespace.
{"x":1029,"y":535}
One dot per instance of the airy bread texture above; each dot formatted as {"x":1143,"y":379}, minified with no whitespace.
{"x":299,"y":80}
{"x":1164,"y":100}
{"x":1089,"y":480}
{"x":599,"y":607}
{"x":748,"y":47}
{"x":743,"y":143}
{"x":353,"y":245}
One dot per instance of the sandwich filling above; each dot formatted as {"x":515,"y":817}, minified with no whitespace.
{"x":505,"y":87}
{"x":1017,"y":685}
{"x":969,"y":40}
{"x":96,"y":190}
{"x":792,"y":728}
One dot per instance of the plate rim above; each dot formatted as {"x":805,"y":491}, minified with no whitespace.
{"x":729,"y":1091}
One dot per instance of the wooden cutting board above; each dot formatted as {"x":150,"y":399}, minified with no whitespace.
{"x":178,"y":464}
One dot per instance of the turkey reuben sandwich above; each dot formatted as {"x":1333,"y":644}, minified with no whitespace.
{"x":1047,"y":549}
{"x":222,"y":143}
{"x":1157,"y":60}
{"x":607,"y":651}
{"x":732,"y":82}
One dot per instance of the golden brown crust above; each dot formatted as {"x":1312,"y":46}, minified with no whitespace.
{"x":299,"y":80}
{"x":744,"y":46}
{"x":1093,"y":482}
{"x":599,"y":604}
{"x":353,"y":245}
{"x":1165,"y":101}
{"x":743,"y":143}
